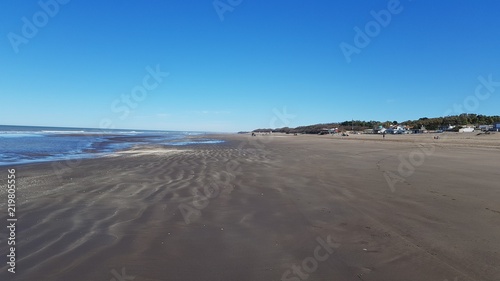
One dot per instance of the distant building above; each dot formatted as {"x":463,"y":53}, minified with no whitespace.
{"x":466,"y":130}
{"x":485,"y":127}
{"x":326,"y":131}
{"x":397,"y":130}
{"x":446,"y":128}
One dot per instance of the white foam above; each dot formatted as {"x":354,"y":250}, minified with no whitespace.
{"x":145,"y":151}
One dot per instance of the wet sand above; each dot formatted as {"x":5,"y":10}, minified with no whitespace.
{"x":277,"y":207}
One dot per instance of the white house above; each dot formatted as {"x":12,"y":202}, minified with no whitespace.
{"x":398,"y":129}
{"x":466,"y":130}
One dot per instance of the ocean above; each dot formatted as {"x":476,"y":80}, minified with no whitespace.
{"x":28,"y":144}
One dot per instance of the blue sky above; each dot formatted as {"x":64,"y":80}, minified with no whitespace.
{"x":256,"y":64}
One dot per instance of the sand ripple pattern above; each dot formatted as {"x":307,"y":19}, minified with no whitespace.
{"x":108,"y":208}
{"x":275,"y":199}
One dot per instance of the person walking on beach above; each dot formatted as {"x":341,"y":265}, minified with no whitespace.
{"x":383,"y":135}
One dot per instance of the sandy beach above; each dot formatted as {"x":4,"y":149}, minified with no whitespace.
{"x":270,"y":207}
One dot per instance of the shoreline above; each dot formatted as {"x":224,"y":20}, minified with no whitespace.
{"x":110,"y":146}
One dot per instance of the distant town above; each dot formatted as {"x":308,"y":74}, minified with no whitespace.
{"x":456,"y":123}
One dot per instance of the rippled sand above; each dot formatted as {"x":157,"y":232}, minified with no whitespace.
{"x":253,"y":207}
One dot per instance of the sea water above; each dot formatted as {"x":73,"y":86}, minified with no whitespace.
{"x":27,"y":144}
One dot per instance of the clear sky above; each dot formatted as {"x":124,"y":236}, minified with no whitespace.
{"x":245,"y":64}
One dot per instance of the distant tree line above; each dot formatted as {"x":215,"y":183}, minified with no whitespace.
{"x":455,"y":120}
{"x":358,"y":125}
